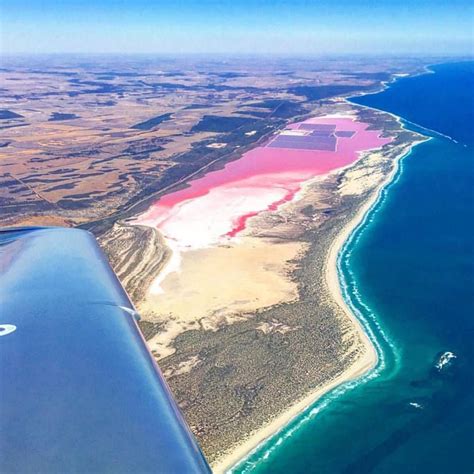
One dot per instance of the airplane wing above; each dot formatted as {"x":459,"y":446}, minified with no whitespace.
{"x":79,"y":390}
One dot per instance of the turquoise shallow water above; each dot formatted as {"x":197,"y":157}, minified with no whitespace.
{"x":409,"y":273}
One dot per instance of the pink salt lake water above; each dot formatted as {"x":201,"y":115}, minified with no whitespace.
{"x":217,"y":206}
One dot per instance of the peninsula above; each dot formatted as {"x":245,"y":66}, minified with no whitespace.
{"x":244,"y":311}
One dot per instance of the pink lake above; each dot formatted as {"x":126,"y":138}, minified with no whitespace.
{"x":217,"y":206}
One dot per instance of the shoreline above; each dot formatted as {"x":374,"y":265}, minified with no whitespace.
{"x":362,"y":366}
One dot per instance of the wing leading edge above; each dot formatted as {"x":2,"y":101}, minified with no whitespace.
{"x":79,"y":391}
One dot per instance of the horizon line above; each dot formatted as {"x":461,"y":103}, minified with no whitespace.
{"x":243,"y":54}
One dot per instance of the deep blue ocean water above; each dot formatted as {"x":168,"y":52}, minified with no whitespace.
{"x":409,"y":272}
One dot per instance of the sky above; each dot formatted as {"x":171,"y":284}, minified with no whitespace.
{"x":291,"y":27}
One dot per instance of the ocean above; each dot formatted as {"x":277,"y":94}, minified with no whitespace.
{"x":408,"y":272}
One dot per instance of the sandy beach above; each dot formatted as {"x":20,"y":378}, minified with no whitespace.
{"x":363,"y":365}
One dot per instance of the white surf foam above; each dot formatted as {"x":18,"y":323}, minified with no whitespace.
{"x":445,"y":360}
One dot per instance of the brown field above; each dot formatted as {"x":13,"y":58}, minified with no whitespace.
{"x":89,"y":163}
